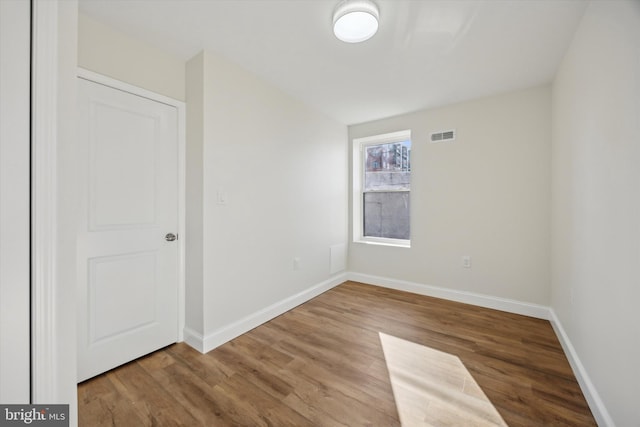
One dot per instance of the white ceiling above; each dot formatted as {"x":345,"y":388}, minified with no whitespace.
{"x":426,"y":53}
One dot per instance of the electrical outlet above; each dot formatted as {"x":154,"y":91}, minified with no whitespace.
{"x":466,"y":261}
{"x":296,"y":263}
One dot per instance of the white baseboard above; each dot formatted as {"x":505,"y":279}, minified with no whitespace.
{"x":596,"y":404}
{"x":594,"y":401}
{"x":497,"y":303}
{"x":194,"y":339}
{"x":215,"y":339}
{"x":207,"y":343}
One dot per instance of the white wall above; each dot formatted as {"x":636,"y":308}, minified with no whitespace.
{"x":485,"y":195}
{"x":14,"y":201}
{"x":283,"y":169}
{"x":107,"y":51}
{"x":596,"y":202}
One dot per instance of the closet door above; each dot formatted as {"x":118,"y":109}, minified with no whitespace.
{"x":15,"y":39}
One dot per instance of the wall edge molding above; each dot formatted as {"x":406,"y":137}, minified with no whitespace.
{"x":206,"y":343}
{"x":599,"y":410}
{"x":497,"y":303}
{"x":193,"y":339}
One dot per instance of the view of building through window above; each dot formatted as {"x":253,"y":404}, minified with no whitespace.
{"x":387,"y":183}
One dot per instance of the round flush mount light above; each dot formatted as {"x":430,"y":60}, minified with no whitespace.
{"x":355,"y":21}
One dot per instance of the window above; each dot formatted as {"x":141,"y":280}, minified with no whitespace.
{"x":382,"y":188}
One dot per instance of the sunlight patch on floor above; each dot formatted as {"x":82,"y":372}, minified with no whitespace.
{"x":433,"y":388}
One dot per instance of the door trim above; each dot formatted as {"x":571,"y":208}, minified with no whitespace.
{"x":180,"y":107}
{"x":44,"y":146}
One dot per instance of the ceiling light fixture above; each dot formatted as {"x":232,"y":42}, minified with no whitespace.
{"x":355,"y":21}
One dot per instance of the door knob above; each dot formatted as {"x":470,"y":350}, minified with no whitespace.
{"x":170,"y":237}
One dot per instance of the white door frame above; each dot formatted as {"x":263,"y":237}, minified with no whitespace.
{"x":45,"y":380}
{"x":180,"y":107}
{"x":44,"y":109}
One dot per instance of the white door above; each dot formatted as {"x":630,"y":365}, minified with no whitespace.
{"x":127,"y":260}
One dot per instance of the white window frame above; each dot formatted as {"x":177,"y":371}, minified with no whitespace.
{"x":359,"y":145}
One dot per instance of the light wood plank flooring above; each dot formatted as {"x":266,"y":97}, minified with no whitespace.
{"x":323,"y":364}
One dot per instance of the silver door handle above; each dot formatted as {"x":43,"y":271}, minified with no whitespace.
{"x":170,"y":237}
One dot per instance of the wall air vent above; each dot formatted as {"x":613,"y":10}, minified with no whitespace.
{"x":444,"y":136}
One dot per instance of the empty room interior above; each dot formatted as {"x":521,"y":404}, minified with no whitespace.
{"x":255,"y":220}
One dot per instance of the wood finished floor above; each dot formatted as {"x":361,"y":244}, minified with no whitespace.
{"x":322,"y":364}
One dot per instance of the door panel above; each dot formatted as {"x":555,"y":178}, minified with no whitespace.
{"x":109,"y":278}
{"x":116,"y":199}
{"x":128,"y":272}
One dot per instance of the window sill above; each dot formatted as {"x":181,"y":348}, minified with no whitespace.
{"x":386,"y":242}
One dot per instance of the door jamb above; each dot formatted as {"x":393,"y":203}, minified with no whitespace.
{"x":44,"y":143}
